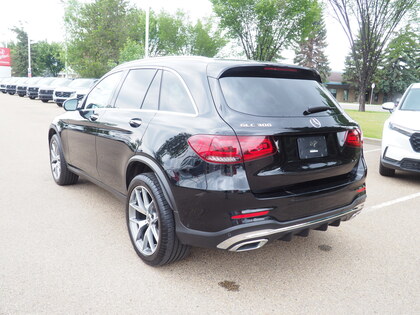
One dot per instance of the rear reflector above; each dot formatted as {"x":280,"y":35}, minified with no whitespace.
{"x":354,"y":138}
{"x":250,"y":215}
{"x":231,"y":149}
{"x":361,"y":189}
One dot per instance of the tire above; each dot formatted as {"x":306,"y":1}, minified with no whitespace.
{"x":151,"y":224}
{"x":62,"y":176}
{"x":59,"y":104}
{"x":31,"y":97}
{"x":385,"y":171}
{"x":44,"y":101}
{"x":21,"y":95}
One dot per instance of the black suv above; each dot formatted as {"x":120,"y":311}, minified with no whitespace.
{"x":213,"y":153}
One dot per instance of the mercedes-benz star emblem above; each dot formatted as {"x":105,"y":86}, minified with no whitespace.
{"x":315,"y":122}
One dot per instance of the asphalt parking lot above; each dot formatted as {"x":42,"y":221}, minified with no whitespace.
{"x":65,"y":250}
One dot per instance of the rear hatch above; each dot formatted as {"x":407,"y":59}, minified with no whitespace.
{"x":316,"y":146}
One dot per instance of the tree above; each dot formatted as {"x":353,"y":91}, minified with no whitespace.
{"x":19,"y":53}
{"x":265,"y":27}
{"x":375,"y":20}
{"x":350,"y":74}
{"x":204,"y":42}
{"x":108,"y":32}
{"x":400,"y":64}
{"x":48,"y":58}
{"x":131,"y":50}
{"x":168,"y":34}
{"x":310,"y":51}
{"x":97,"y":32}
{"x":173,"y":35}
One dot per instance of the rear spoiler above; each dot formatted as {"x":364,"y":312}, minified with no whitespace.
{"x":272,"y":71}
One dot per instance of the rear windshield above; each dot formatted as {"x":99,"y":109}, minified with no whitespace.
{"x":263,"y":96}
{"x":412,"y":100}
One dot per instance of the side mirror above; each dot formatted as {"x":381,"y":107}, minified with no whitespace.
{"x":71,"y":104}
{"x":388,"y":106}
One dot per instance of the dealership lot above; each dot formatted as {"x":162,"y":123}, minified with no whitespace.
{"x":66,"y":249}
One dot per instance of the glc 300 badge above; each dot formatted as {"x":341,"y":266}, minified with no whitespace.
{"x":253,"y":125}
{"x":315,"y":122}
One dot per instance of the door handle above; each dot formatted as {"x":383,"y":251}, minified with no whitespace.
{"x":93,"y":117}
{"x":135,"y":122}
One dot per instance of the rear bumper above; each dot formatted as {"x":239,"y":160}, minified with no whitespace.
{"x":208,"y":220}
{"x":212,"y":211}
{"x":254,"y":235}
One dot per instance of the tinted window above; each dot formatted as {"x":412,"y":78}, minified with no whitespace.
{"x":151,"y":100}
{"x":274,"y":96}
{"x":101,"y":94}
{"x":134,"y":88}
{"x":174,"y":96}
{"x":412,"y":100}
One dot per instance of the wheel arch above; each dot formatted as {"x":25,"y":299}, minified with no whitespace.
{"x":52,"y":131}
{"x":139,"y":164}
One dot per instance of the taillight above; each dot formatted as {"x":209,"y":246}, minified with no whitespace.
{"x":254,"y":147}
{"x":231,"y":149}
{"x":354,"y":138}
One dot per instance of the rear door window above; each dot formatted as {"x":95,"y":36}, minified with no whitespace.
{"x":266,"y":96}
{"x":151,"y":101}
{"x":134,"y":88}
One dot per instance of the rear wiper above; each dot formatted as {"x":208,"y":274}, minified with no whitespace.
{"x":316,"y":109}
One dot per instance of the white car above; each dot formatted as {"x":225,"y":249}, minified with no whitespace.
{"x":78,"y":88}
{"x":401,"y":135}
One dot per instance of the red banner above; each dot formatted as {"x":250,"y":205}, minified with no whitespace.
{"x":5,"y":57}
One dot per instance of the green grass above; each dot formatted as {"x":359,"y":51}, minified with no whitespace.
{"x":371,"y":123}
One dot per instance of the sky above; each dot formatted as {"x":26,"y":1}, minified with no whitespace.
{"x":43,"y":20}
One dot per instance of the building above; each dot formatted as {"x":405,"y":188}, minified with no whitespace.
{"x":345,"y":93}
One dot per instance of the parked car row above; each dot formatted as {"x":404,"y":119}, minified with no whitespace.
{"x":46,"y":88}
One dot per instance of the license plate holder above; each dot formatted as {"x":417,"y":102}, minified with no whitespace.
{"x":312,"y":147}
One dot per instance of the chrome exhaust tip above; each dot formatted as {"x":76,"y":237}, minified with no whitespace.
{"x":357,"y":210}
{"x":355,"y":214}
{"x":250,"y":245}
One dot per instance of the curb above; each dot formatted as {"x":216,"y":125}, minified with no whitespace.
{"x":372,"y":141}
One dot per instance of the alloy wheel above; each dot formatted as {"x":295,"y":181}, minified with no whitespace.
{"x":143,"y":220}
{"x":55,"y":160}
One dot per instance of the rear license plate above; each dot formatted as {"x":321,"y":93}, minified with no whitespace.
{"x":312,"y":147}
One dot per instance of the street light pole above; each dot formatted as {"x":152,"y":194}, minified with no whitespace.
{"x":146,"y":43}
{"x":29,"y":57}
